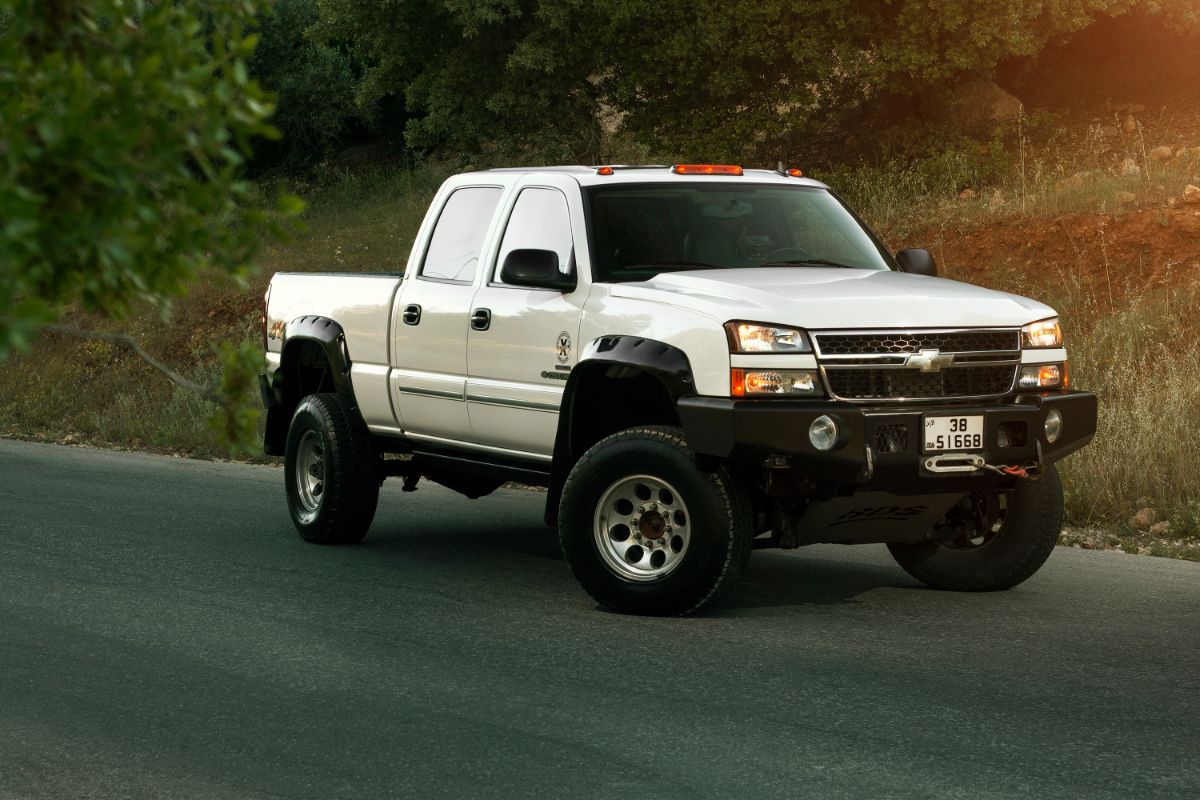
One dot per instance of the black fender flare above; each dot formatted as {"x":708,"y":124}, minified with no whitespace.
{"x":332,"y":340}
{"x":280,"y":401}
{"x":666,"y":363}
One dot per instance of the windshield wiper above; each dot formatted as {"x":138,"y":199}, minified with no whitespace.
{"x":668,"y":264}
{"x":807,"y":262}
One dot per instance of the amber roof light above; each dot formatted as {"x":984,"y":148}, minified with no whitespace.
{"x":706,"y":169}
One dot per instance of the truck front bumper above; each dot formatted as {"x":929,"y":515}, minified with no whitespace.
{"x":882,"y":445}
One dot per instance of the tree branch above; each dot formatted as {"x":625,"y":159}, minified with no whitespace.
{"x":207,"y":391}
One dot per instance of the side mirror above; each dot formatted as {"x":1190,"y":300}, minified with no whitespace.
{"x":537,"y":269}
{"x":917,"y":261}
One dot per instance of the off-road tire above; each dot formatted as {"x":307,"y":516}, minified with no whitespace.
{"x":719,"y":539}
{"x":1031,"y":527}
{"x":349,"y":491}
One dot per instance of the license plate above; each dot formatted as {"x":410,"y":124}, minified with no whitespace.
{"x":953,"y":433}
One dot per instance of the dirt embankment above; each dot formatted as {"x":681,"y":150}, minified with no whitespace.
{"x":1108,"y":255}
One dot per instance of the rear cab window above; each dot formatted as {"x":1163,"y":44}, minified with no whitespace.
{"x":458,"y":234}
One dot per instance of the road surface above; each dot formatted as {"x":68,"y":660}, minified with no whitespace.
{"x":164,"y":633}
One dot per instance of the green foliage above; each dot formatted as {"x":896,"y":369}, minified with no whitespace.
{"x":1185,"y":522}
{"x":236,"y":424}
{"x":741,"y":80}
{"x":509,"y":76}
{"x":124,"y":126}
{"x":313,"y":83}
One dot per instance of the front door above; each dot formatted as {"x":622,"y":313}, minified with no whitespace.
{"x":519,"y":364}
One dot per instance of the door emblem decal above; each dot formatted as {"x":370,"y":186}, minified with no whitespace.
{"x":562,"y":348}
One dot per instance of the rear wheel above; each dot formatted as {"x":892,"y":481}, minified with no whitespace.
{"x":645,"y":532}
{"x":331,"y":472}
{"x":1001,"y":540}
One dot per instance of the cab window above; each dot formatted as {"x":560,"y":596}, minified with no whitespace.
{"x":454,"y":247}
{"x":539,"y":220}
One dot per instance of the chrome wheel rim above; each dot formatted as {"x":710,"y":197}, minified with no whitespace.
{"x":642,"y":528}
{"x":310,"y":474}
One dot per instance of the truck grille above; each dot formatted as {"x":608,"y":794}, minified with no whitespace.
{"x":945,"y":364}
{"x":902,"y":383}
{"x":899,"y":342}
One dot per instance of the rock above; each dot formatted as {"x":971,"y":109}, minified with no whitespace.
{"x":1172,"y":202}
{"x":1125,"y":106}
{"x":978,"y":105}
{"x":1125,"y":197}
{"x":1191,"y":195}
{"x":1162,"y":154}
{"x":1143,"y":519}
{"x":1130,"y":168}
{"x":966,"y":194}
{"x":1068,"y":184}
{"x":997,"y":200}
{"x":1075,"y":181}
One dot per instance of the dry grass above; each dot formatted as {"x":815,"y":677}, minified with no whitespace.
{"x":969,"y":184}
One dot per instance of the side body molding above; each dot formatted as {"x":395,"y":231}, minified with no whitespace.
{"x":613,"y":357}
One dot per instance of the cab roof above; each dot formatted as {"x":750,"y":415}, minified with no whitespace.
{"x":657,"y":173}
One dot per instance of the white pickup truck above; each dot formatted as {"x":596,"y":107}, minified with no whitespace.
{"x":695,"y":361}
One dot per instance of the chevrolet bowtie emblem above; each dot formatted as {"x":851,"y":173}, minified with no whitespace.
{"x":930,"y":360}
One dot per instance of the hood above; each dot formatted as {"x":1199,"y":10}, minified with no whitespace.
{"x":824,"y":298}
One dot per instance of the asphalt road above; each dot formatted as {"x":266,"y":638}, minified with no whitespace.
{"x":164,"y":633}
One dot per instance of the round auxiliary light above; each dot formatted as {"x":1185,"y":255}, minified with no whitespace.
{"x":1054,"y":424}
{"x":823,"y":433}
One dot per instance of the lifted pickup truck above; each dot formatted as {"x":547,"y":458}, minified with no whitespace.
{"x":695,"y":361}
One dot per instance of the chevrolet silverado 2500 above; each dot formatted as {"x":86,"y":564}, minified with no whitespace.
{"x":695,"y":361}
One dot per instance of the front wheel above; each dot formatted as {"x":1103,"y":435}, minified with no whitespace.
{"x":1005,"y":538}
{"x":645,"y":532}
{"x":331,"y":471}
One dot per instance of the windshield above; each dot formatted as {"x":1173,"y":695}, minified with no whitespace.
{"x":640,"y":230}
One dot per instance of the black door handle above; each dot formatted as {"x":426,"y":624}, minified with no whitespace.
{"x":412,"y":314}
{"x":481,"y":319}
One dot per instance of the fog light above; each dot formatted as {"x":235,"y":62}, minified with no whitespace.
{"x":823,"y":433}
{"x":1054,"y":423}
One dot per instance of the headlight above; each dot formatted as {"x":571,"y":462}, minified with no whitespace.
{"x":752,"y":337}
{"x":1045,"y":333}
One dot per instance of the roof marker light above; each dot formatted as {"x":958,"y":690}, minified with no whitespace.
{"x":706,"y":169}
{"x":604,"y":170}
{"x":795,"y":173}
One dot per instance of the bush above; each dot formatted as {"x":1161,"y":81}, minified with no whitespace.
{"x":314,"y":85}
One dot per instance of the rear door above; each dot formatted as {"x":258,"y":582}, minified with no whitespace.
{"x":430,"y":318}
{"x":520,"y":362}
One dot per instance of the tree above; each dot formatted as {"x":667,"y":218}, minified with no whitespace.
{"x":697,"y":79}
{"x":511,"y":76}
{"x":124,"y":131}
{"x":124,"y":126}
{"x":313,"y":84}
